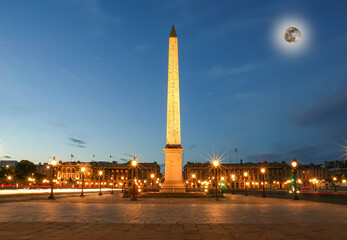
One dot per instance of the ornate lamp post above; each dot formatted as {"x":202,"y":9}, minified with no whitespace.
{"x":122,"y":183}
{"x":216,"y":165}
{"x":335,"y":179}
{"x":112,"y":184}
{"x":53,"y":163}
{"x":193,"y":177}
{"x":100,"y":176}
{"x":152,"y":177}
{"x":233,"y":181}
{"x":263,"y":172}
{"x":245,"y":174}
{"x":133,"y":164}
{"x":294,"y":164}
{"x":83,"y":169}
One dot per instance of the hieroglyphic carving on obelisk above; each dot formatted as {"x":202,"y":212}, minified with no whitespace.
{"x":173,"y":150}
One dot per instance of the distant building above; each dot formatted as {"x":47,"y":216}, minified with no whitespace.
{"x":336,"y":168}
{"x":10,"y":163}
{"x":277,"y":175}
{"x":69,"y":173}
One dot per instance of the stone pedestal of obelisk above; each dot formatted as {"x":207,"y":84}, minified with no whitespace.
{"x":173,"y":150}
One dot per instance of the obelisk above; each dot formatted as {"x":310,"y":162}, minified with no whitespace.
{"x":173,"y":150}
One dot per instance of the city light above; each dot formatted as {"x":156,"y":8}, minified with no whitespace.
{"x":215,"y":163}
{"x":294,"y":163}
{"x":134,"y":162}
{"x":54,"y":162}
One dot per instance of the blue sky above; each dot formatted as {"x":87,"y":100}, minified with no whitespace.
{"x":89,"y":78}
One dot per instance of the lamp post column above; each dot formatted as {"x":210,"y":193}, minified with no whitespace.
{"x":100,"y":175}
{"x":134,"y":164}
{"x":233,"y":184}
{"x":112,"y":185}
{"x":264,"y":186}
{"x":216,"y":183}
{"x":263,"y":172}
{"x":82,"y":195}
{"x":52,"y":176}
{"x":294,"y":165}
{"x":53,"y":163}
{"x":246,"y":194}
{"x":83,"y":169}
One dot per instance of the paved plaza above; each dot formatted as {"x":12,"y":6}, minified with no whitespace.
{"x":112,"y":217}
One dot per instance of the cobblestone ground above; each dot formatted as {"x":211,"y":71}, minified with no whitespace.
{"x":112,"y":217}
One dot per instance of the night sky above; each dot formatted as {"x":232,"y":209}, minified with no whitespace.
{"x":90,"y":78}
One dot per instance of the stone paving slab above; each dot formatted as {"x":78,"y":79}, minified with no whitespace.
{"x":113,"y":217}
{"x":74,"y":231}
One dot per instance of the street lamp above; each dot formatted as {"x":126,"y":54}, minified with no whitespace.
{"x":122,"y":184}
{"x":215,"y":164}
{"x":233,"y":186}
{"x":294,"y":164}
{"x":335,"y":179}
{"x":263,"y":172}
{"x":152,"y":177}
{"x":245,"y":174}
{"x":100,"y":176}
{"x":193,"y":177}
{"x":133,"y":164}
{"x":83,"y":169}
{"x":112,"y":184}
{"x":54,"y":163}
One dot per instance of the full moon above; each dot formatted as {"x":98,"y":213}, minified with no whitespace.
{"x":292,"y":35}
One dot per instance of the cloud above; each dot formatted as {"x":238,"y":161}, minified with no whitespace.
{"x":7,"y":157}
{"x":77,"y":142}
{"x":192,"y":146}
{"x":331,"y":109}
{"x":124,"y":160}
{"x":312,"y":153}
{"x":129,"y":155}
{"x":218,"y":71}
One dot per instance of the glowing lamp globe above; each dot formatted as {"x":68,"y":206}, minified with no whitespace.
{"x":54,"y":162}
{"x":215,"y":163}
{"x":294,"y":163}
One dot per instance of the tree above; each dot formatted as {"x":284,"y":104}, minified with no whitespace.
{"x":5,"y":172}
{"x":24,"y":169}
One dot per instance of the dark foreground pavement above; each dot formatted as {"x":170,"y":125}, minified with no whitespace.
{"x":324,"y":197}
{"x":112,"y":217}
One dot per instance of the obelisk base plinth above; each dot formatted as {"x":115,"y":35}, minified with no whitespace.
{"x":173,"y":171}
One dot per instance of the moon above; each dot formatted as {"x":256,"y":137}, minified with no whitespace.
{"x":292,"y":35}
